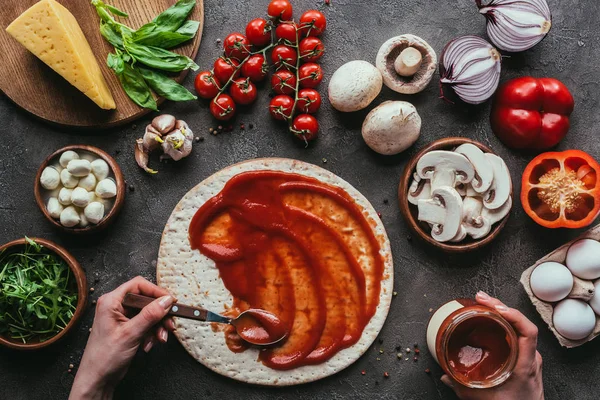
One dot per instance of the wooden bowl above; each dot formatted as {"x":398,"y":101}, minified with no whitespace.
{"x":118,"y":202}
{"x":82,"y":293}
{"x":410,"y":211}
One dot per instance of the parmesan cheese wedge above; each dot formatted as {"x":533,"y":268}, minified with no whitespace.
{"x":51,"y":33}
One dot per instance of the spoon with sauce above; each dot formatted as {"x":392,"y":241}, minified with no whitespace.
{"x":255,"y":326}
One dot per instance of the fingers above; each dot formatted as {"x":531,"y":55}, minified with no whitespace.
{"x":169,"y":324}
{"x":460,"y":390}
{"x":162,"y":334}
{"x":526,"y":329}
{"x":149,"y":316}
{"x":148,"y":343}
{"x":139,"y":285}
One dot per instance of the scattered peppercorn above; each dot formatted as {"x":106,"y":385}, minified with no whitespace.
{"x":380,"y":351}
{"x":94,"y":301}
{"x":417,"y":351}
{"x":324,"y":161}
{"x":431,"y":309}
{"x":220,"y":127}
{"x":117,"y":151}
{"x":427,"y":371}
{"x":197,"y":139}
{"x":131,"y":188}
{"x":69,"y":371}
{"x":395,"y":294}
{"x":408,"y":349}
{"x":71,"y":366}
{"x":399,"y":355}
{"x":378,"y":214}
{"x":377,"y":382}
{"x":409,"y":238}
{"x":251,"y":126}
{"x":242,"y":126}
{"x":386,"y":375}
{"x":398,"y":348}
{"x":134,"y":126}
{"x":90,"y":330}
{"x":363,"y":372}
{"x":201,"y":138}
{"x":415,"y":358}
{"x":385,"y":201}
{"x":96,"y":280}
{"x":378,"y":359}
{"x":92,"y":289}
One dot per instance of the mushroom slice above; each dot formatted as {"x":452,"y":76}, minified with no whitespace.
{"x":472,"y":220}
{"x":493,"y":216}
{"x":484,"y":174}
{"x":419,"y":189}
{"x":402,"y":70}
{"x":460,"y":236}
{"x":445,"y":168}
{"x":499,"y":191}
{"x":444,"y":211}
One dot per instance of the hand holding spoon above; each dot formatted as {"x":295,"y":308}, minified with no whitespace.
{"x":255,"y":326}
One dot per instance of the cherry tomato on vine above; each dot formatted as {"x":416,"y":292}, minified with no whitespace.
{"x":286,"y":31}
{"x":258,"y":32}
{"x":255,"y":68}
{"x":309,"y":101}
{"x":311,"y":49}
{"x":283,"y":82}
{"x":236,"y":46}
{"x":281,"y":9}
{"x":222,"y":107}
{"x":281,"y":106}
{"x":207,"y":86}
{"x":224,"y":68}
{"x":312,"y":23}
{"x":310,"y":75}
{"x":306,"y":127}
{"x":284,"y":55}
{"x":243,"y":91}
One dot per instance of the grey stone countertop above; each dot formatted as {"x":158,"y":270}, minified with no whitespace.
{"x":424,"y":279}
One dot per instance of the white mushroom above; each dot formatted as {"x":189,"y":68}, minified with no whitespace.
{"x":88,"y":182}
{"x":445,"y":168}
{"x":106,"y":189}
{"x":484,"y":173}
{"x":100,"y":169}
{"x":66,"y":157}
{"x":94,"y":212}
{"x":444,"y":211}
{"x":460,"y":236}
{"x":499,"y":191}
{"x":69,"y":217}
{"x":419,"y":189}
{"x":50,"y":178}
{"x":493,"y":216}
{"x":79,"y":167}
{"x":391,"y":127}
{"x":64,"y":196}
{"x":408,"y":62}
{"x":69,"y":181}
{"x":354,"y":85}
{"x":80,"y":197}
{"x":472,"y":221}
{"x":54,"y":207}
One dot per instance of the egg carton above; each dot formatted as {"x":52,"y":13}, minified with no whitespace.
{"x":546,"y":309}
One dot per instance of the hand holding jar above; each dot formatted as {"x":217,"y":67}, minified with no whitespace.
{"x":525,"y":382}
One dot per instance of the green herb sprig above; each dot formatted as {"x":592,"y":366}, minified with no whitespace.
{"x":38,"y":294}
{"x":149,"y":46}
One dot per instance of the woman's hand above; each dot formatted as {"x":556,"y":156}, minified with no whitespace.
{"x":115,"y":338}
{"x":526,"y":379}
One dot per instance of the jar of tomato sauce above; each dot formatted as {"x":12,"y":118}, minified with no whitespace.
{"x":472,"y":343}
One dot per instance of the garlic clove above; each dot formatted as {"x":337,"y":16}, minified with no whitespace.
{"x":88,"y":182}
{"x":54,"y":207}
{"x":94,"y":212}
{"x":69,"y":217}
{"x":79,"y":168}
{"x":100,"y":169}
{"x":80,"y":197}
{"x":106,"y":189}
{"x":66,"y":157}
{"x":50,"y":178}
{"x":68,"y":180}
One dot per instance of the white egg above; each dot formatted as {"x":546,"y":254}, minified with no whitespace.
{"x":574,"y":319}
{"x":551,"y":281}
{"x":595,"y":301}
{"x":583,"y":259}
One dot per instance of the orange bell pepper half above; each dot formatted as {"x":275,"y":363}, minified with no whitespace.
{"x":561,"y":189}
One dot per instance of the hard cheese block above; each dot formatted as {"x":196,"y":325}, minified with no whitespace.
{"x":52,"y":33}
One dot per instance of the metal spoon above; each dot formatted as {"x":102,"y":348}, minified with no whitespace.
{"x":255,"y":326}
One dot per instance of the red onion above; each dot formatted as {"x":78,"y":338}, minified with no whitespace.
{"x":516,"y":25}
{"x":471,"y":66}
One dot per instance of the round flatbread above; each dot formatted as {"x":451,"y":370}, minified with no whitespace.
{"x":193,"y":279}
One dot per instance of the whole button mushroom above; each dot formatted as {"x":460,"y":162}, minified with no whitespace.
{"x":354,"y":85}
{"x":106,"y":189}
{"x":391,"y":127}
{"x":69,"y":217}
{"x":50,"y":178}
{"x":406,"y":63}
{"x":94,"y":212}
{"x":66,"y":157}
{"x":68,"y":180}
{"x":100,"y":169}
{"x":79,"y":168}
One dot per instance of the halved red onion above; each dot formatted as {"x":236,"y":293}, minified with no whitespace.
{"x":471,"y":66}
{"x":516,"y":25}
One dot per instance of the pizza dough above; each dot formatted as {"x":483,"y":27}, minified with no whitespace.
{"x":193,"y":279}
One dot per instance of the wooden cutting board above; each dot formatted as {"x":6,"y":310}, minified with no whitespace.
{"x":38,"y":89}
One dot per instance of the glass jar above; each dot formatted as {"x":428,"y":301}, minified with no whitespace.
{"x":472,"y":343}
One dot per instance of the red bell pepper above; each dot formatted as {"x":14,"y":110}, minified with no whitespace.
{"x":531,"y":113}
{"x":561,"y":189}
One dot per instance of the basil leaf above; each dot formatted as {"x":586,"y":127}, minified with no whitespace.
{"x":132,"y":82}
{"x":112,"y":34}
{"x":173,"y":17}
{"x":104,"y":15}
{"x":164,"y":86}
{"x":189,"y":28}
{"x":165,"y":40}
{"x":158,"y":58}
{"x":116,"y":11}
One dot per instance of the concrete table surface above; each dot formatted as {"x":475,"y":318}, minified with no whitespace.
{"x":424,"y":279}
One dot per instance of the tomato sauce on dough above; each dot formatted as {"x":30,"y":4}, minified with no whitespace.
{"x":300,"y":249}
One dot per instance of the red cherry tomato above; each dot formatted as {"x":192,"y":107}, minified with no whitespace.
{"x":243,"y":91}
{"x":281,"y":106}
{"x":255,"y":68}
{"x":312,"y":23}
{"x":287,"y":31}
{"x":309,"y":101}
{"x":311,"y":49}
{"x":283,"y":82}
{"x":258,"y":32}
{"x":310,"y":75}
{"x":224,"y":68}
{"x":284,"y":56}
{"x":236,"y":46}
{"x":281,"y":9}
{"x":222,"y":107}
{"x":306,"y":127}
{"x":207,"y":86}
